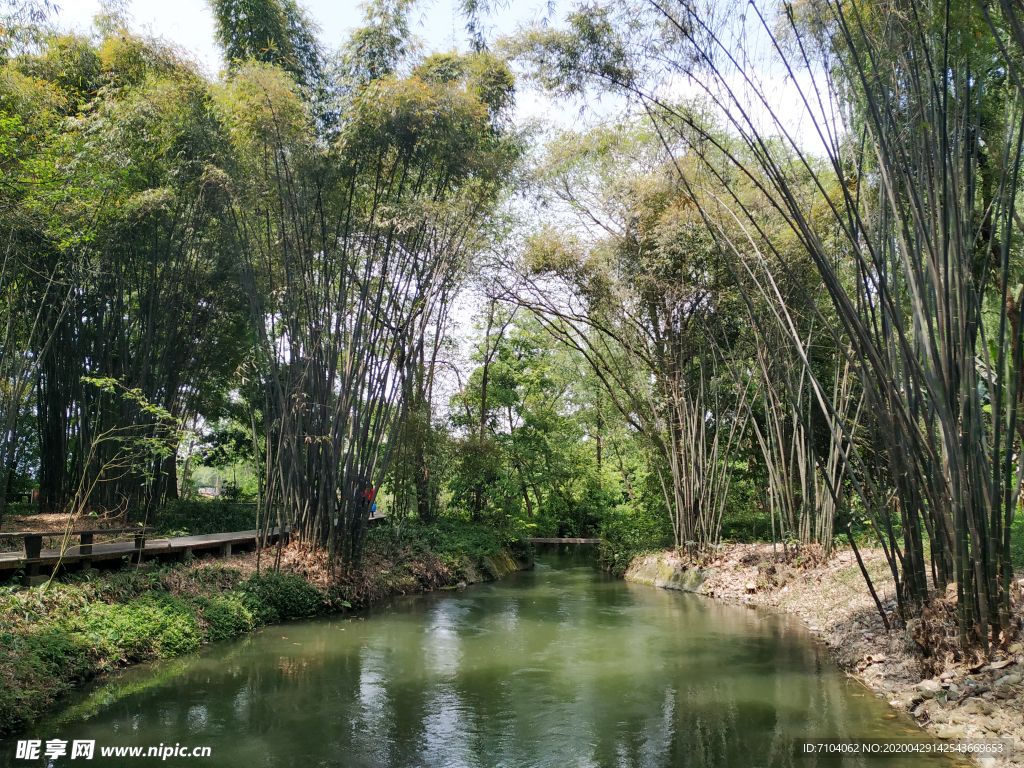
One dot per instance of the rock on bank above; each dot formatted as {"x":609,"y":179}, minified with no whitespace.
{"x":666,"y":570}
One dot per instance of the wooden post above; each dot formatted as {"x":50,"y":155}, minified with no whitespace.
{"x":33,"y":547}
{"x":85,"y":548}
{"x":225,"y":549}
{"x":140,"y":545}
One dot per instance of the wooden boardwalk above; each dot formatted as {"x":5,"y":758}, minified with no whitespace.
{"x":178,"y":548}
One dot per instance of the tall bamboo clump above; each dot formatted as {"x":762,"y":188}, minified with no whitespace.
{"x":348,"y":249}
{"x":922,"y":180}
{"x":908,"y":214}
{"x":112,"y":222}
{"x":646,"y":301}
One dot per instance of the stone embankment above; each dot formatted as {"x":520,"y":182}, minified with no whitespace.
{"x":950,"y":696}
{"x":665,"y":570}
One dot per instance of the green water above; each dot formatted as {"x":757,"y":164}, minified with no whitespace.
{"x":558,"y":666}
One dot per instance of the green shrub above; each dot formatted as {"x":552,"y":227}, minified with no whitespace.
{"x":521,"y":549}
{"x":22,"y":508}
{"x":65,"y":657}
{"x":746,"y":524}
{"x":33,"y":668}
{"x":226,"y":617}
{"x":1017,"y":542}
{"x":454,"y":539}
{"x":544,"y":526}
{"x":48,"y":653}
{"x":198,"y":517}
{"x":629,"y":531}
{"x":154,"y":624}
{"x":273,"y":596}
{"x":637,"y":527}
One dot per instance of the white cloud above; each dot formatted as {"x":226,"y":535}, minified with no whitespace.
{"x":769,"y":102}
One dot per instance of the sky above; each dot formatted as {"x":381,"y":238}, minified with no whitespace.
{"x":189,"y":23}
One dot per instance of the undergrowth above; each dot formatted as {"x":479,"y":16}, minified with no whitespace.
{"x":194,"y":517}
{"x":628,"y":533}
{"x":1017,"y":543}
{"x":414,"y":557}
{"x":453,"y":540}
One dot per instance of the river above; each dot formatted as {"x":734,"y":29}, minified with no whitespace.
{"x":559,"y":666}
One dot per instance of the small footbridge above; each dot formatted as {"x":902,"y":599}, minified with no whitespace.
{"x":564,"y":541}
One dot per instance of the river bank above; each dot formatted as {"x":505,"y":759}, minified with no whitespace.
{"x":54,"y":639}
{"x":949,"y":697}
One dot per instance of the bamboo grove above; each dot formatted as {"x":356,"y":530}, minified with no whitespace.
{"x":288,"y":230}
{"x":773,"y":292}
{"x":902,"y":238}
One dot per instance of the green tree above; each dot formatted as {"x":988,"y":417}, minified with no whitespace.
{"x":272,"y":32}
{"x":350,"y":245}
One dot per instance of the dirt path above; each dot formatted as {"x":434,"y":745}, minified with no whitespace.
{"x":56,"y":522}
{"x":950,"y":697}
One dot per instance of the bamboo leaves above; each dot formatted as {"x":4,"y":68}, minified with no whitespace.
{"x":349,"y":248}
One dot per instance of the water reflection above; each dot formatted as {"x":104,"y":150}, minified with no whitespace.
{"x":554,"y":667}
